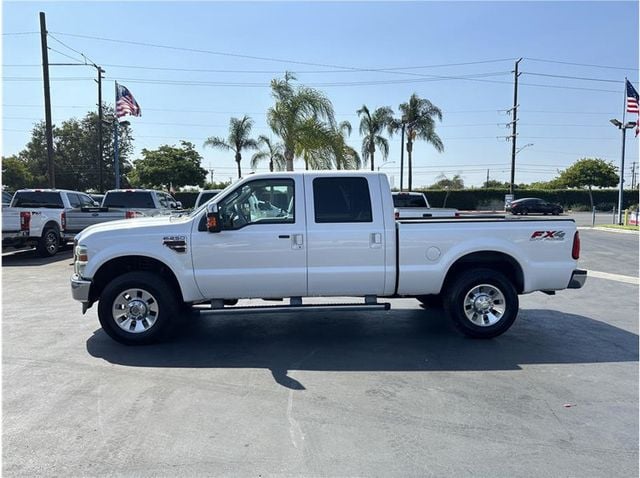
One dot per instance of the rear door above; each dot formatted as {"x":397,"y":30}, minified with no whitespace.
{"x":345,"y":236}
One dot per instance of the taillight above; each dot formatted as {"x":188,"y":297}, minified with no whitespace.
{"x":130,"y":214}
{"x":575,"y":251}
{"x":63,"y":220}
{"x":25,"y":220}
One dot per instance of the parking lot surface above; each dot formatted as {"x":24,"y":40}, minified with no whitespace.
{"x":397,"y":393}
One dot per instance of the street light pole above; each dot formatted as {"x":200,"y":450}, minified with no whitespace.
{"x":386,"y":162}
{"x":624,"y":127}
{"x":402,"y":157}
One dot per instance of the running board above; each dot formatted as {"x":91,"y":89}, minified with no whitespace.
{"x":288,"y":308}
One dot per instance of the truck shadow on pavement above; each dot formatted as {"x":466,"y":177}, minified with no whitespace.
{"x":399,"y":340}
{"x":28,"y":257}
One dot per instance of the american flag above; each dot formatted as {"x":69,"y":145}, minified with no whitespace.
{"x":632,"y":103}
{"x":126,"y":104}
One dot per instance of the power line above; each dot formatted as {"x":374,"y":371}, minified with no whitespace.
{"x":571,"y":77}
{"x":19,"y":33}
{"x":65,"y":55}
{"x":581,"y":64}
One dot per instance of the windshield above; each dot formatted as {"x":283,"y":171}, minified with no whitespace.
{"x":409,"y":200}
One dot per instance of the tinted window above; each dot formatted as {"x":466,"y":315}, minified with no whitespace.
{"x":409,"y":200}
{"x":141,"y":199}
{"x":341,"y":200}
{"x":37,"y":199}
{"x":85,"y":201}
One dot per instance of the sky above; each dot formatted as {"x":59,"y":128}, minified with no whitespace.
{"x":459,"y":55}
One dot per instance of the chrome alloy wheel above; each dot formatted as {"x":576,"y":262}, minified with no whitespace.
{"x":484,"y":305}
{"x":135,"y":310}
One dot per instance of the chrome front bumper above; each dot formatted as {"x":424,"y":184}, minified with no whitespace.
{"x":578,"y":278}
{"x":80,"y":291}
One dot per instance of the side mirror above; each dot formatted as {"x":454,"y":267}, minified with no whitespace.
{"x":213,"y":218}
{"x":96,"y":204}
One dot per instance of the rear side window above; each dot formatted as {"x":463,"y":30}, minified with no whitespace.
{"x":141,"y":199}
{"x":37,"y":199}
{"x":341,"y":200}
{"x":74,"y":200}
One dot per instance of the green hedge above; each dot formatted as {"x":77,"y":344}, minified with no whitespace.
{"x":472,"y":199}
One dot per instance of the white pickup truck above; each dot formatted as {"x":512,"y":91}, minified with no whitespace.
{"x":337,"y":236}
{"x":412,"y":205}
{"x":37,"y":217}
{"x":123,"y":204}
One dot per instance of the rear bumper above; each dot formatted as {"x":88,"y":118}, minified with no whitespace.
{"x":578,"y":278}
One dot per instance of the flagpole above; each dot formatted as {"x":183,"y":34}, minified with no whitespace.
{"x":624,"y":131}
{"x":116,"y":166}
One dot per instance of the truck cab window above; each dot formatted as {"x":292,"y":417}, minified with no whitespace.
{"x":341,"y":200}
{"x":259,"y":202}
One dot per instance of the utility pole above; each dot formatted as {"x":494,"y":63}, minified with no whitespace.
{"x":47,"y":101}
{"x":633,"y":175}
{"x":100,"y":142}
{"x":487,"y":184}
{"x":402,"y":157}
{"x":514,"y":126}
{"x":211,"y":172}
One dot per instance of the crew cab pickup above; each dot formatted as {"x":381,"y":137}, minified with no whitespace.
{"x":37,"y":217}
{"x":409,"y":205}
{"x":123,"y":204}
{"x":327,"y":235}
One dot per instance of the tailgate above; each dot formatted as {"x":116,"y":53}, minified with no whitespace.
{"x":79,"y":219}
{"x":10,"y":220}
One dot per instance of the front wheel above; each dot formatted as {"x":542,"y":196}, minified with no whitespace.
{"x":138,"y":308}
{"x":482,"y":303}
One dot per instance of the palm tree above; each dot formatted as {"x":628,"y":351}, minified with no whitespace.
{"x":418,"y":118}
{"x":345,"y":157}
{"x":371,"y":127}
{"x":273,"y":152}
{"x":296,"y":115}
{"x":239,"y":132}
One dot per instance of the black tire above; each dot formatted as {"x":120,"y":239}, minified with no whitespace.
{"x":524,"y":211}
{"x":49,"y":243}
{"x":152,"y":311}
{"x":432,"y":301}
{"x":493,"y":290}
{"x":556,"y":212}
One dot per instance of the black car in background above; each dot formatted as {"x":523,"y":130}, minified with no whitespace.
{"x":534,"y":205}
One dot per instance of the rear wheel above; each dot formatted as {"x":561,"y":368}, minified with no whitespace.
{"x":482,"y":303}
{"x":556,"y":212}
{"x":524,"y":211}
{"x":138,"y":308}
{"x":49,"y":243}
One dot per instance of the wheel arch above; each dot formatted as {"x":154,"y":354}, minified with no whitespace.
{"x":51,"y":224}
{"x":495,"y":260}
{"x":123,"y":264}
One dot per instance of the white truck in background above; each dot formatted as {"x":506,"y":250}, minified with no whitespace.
{"x":336,"y":236}
{"x":414,"y":205}
{"x":123,"y":204}
{"x":37,"y":217}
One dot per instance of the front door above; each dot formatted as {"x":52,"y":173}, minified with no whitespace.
{"x":261,"y":250}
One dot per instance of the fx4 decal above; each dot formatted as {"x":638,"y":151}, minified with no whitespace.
{"x":547,"y":236}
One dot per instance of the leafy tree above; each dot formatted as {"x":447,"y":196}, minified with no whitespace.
{"x":555,"y":183}
{"x":453,"y":184}
{"x":76,"y":153}
{"x":239,"y":139}
{"x":589,"y":173}
{"x":169,"y":166}
{"x":16,"y":174}
{"x":371,"y":127}
{"x":495,"y":184}
{"x":418,"y":117}
{"x":302,"y":117}
{"x":273,"y":152}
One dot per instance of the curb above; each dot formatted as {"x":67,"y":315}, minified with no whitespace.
{"x":607,"y":229}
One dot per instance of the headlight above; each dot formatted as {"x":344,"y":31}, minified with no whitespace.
{"x":81,"y":257}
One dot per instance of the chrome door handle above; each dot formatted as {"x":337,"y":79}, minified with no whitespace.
{"x":375,"y":240}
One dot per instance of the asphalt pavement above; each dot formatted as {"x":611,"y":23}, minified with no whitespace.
{"x":397,"y":393}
